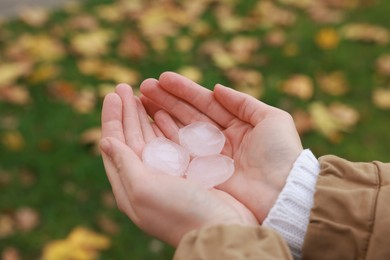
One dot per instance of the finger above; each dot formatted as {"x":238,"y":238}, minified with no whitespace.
{"x":157,"y":130}
{"x":146,"y":127}
{"x":167,"y":125}
{"x":120,"y":194}
{"x":150,"y":107}
{"x":245,"y":107}
{"x":131,"y":122}
{"x":112,"y":117}
{"x":127,"y":164}
{"x":112,"y":127}
{"x":178,"y":108}
{"x":197,"y":96}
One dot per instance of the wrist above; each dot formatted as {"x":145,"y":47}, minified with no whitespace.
{"x":290,"y":214}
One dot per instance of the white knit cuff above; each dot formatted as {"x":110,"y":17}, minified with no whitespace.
{"x":290,"y":214}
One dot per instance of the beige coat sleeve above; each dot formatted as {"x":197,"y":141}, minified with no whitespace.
{"x":350,"y":220}
{"x":351,"y":214}
{"x":232,"y":242}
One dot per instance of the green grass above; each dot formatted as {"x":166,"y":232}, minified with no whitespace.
{"x":70,"y":180}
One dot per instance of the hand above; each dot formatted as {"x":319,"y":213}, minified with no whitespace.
{"x":261,"y":139}
{"x":164,"y":206}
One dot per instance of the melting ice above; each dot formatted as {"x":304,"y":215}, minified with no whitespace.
{"x":201,"y":139}
{"x":204,"y":142}
{"x":164,"y":156}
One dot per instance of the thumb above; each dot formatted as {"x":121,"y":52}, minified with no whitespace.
{"x":244,"y":106}
{"x":125,"y":160}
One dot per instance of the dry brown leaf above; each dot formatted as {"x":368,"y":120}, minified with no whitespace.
{"x":223,"y":59}
{"x":192,"y":73}
{"x":184,"y":43}
{"x":200,"y":28}
{"x":300,"y":86}
{"x":327,"y":39}
{"x":381,"y":98}
{"x":92,"y":43}
{"x":83,"y":22}
{"x":108,"y":225}
{"x":9,"y":122}
{"x":242,"y":48}
{"x":15,"y":95}
{"x":40,"y":47}
{"x":298,"y":3}
{"x":291,"y":49}
{"x":63,"y":90}
{"x":383,"y":65}
{"x":90,"y":66}
{"x":321,"y":13}
{"x":10,"y":253}
{"x":5,"y":179}
{"x":92,"y":137}
{"x":267,"y":14}
{"x":13,"y":141}
{"x":108,"y":199}
{"x":85,"y":101}
{"x":104,"y":89}
{"x":110,"y":13}
{"x":366,"y":33}
{"x":155,"y":246}
{"x":7,"y":225}
{"x":132,"y":46}
{"x":26,"y":219}
{"x":159,"y":44}
{"x":43,"y":73}
{"x":275,"y":38}
{"x":303,"y":121}
{"x":247,"y":81}
{"x":228,"y":22}
{"x":27,"y":178}
{"x":36,"y":17}
{"x":348,"y":115}
{"x":11,"y":72}
{"x":156,"y":22}
{"x":119,"y":74}
{"x":331,"y":121}
{"x":334,"y":83}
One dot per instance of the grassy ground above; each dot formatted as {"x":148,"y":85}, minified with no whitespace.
{"x":51,"y":99}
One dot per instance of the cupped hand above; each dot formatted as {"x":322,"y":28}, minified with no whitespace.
{"x":164,"y":206}
{"x":261,"y":139}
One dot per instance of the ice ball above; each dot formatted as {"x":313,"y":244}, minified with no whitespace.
{"x":202,"y":139}
{"x":209,"y":171}
{"x":161,"y":155}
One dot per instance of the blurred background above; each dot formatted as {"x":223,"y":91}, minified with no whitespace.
{"x":327,"y":62}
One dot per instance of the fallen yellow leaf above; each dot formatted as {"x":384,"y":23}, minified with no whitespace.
{"x":327,"y":39}
{"x":81,"y":243}
{"x":10,"y":72}
{"x":192,"y":73}
{"x":13,"y":140}
{"x":93,"y":43}
{"x":331,"y":121}
{"x":381,"y":98}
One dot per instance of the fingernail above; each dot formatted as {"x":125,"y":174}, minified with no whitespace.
{"x":105,"y":146}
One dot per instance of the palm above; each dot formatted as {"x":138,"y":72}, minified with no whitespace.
{"x":261,"y":139}
{"x":162,"y":200}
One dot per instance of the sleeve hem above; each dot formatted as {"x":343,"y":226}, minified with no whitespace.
{"x":290,"y":214}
